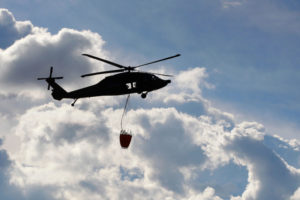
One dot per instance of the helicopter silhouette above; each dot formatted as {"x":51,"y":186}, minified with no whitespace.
{"x":127,"y":82}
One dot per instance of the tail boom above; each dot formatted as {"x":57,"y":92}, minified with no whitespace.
{"x":58,"y":92}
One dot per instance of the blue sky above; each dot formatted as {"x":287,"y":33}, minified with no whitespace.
{"x":237,"y":81}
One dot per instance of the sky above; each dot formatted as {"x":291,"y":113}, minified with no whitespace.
{"x":226,"y":128}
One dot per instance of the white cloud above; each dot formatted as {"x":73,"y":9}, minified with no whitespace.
{"x":296,"y":195}
{"x":207,"y":194}
{"x":166,"y":146}
{"x":232,"y":3}
{"x":12,"y":30}
{"x":9,"y":191}
{"x":60,"y":146}
{"x":186,"y":87}
{"x":270,"y":16}
{"x":269,"y":176}
{"x":36,"y":53}
{"x":31,"y":56}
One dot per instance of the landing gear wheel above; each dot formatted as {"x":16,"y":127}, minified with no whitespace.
{"x":144,"y":95}
{"x":74,"y":102}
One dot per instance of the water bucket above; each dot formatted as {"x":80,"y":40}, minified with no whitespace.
{"x":125,"y":139}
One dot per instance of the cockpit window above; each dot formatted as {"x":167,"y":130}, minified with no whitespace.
{"x":153,"y":77}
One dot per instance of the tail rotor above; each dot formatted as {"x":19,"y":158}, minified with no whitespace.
{"x":50,"y":78}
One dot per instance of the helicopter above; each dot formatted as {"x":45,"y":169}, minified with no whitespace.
{"x":127,"y":82}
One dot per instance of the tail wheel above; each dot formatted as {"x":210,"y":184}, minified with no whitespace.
{"x":144,"y":95}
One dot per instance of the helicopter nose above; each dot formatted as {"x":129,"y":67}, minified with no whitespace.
{"x":165,"y":82}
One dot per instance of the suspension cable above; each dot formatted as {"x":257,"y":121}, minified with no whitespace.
{"x":124,"y":111}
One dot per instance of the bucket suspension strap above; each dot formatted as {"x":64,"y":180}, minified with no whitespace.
{"x":124,"y":111}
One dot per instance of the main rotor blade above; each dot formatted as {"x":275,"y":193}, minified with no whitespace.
{"x":103,"y":60}
{"x":50,"y":78}
{"x":158,"y":61}
{"x":162,"y":74}
{"x":104,"y":72}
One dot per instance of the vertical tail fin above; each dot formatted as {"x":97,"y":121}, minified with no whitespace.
{"x":58,"y":92}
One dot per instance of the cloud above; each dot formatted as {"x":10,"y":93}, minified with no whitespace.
{"x":12,"y":30}
{"x":296,"y":195}
{"x":232,"y":3}
{"x":167,"y":132}
{"x":60,"y":144}
{"x":275,"y":17}
{"x":169,"y":151}
{"x":31,"y":56}
{"x":186,"y":87}
{"x":9,"y":191}
{"x":36,"y":53}
{"x":269,"y":175}
{"x":32,"y":50}
{"x":162,"y":154}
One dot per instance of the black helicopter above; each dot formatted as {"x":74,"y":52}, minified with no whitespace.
{"x":127,"y":82}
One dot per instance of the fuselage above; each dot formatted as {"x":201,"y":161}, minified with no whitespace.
{"x":120,"y":84}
